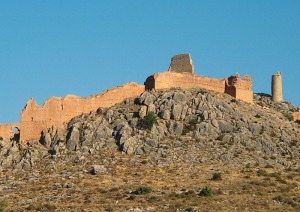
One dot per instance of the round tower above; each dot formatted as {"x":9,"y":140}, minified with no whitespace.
{"x":277,"y":87}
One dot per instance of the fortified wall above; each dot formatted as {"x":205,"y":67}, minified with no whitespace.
{"x":296,"y":116}
{"x":58,"y":111}
{"x":181,"y":75}
{"x":8,"y":130}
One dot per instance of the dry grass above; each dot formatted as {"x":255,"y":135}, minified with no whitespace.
{"x":172,"y":187}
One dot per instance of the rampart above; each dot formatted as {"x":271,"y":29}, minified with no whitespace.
{"x":186,"y":80}
{"x":296,"y":116}
{"x":8,"y":130}
{"x":182,"y":76}
{"x":240,"y":88}
{"x":56,"y":112}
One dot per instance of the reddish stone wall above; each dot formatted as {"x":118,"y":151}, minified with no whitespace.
{"x":7,"y":130}
{"x":240,"y":88}
{"x":234,"y":85}
{"x":58,"y":111}
{"x":296,"y":116}
{"x":166,"y":80}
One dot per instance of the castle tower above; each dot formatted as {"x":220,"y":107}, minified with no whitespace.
{"x":277,"y":87}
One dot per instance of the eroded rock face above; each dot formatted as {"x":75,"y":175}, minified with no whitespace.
{"x":182,"y":63}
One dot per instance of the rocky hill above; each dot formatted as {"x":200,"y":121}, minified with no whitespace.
{"x":172,"y":150}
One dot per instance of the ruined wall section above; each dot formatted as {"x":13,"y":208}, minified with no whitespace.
{"x":240,"y":88}
{"x":167,"y":80}
{"x":58,"y":111}
{"x":182,"y":63}
{"x":7,"y":130}
{"x":296,"y":116}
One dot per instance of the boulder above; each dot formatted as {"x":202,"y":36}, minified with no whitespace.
{"x":176,"y":112}
{"x":98,"y":169}
{"x":73,"y":139}
{"x":143,"y":111}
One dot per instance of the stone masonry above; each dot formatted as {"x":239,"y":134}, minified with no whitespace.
{"x":181,"y":75}
{"x":277,"y":87}
{"x":182,"y":63}
{"x":58,"y":111}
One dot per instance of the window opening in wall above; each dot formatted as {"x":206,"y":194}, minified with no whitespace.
{"x":16,"y":132}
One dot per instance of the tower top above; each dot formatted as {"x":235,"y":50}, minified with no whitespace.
{"x":182,"y":63}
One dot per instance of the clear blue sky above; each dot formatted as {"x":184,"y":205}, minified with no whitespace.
{"x":60,"y":47}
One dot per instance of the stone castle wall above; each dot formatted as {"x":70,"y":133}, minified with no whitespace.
{"x":296,"y":116}
{"x":58,"y":111}
{"x":181,"y":75}
{"x":239,"y":88}
{"x":7,"y":130}
{"x":166,"y":80}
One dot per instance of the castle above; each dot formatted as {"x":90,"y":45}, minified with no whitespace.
{"x":58,"y":111}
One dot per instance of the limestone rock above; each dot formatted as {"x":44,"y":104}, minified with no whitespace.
{"x":143,"y":111}
{"x":73,"y":139}
{"x":146,"y":98}
{"x":98,"y":169}
{"x":176,"y":112}
{"x":165,"y":114}
{"x":177,"y":128}
{"x":180,"y":97}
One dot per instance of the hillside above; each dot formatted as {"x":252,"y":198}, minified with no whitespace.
{"x":206,"y":151}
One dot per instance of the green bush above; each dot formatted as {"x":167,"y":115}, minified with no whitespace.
{"x":190,"y":126}
{"x":257,"y":116}
{"x":3,"y":205}
{"x":289,"y":116}
{"x":220,"y":137}
{"x":149,"y":120}
{"x":143,"y":190}
{"x":206,"y":192}
{"x":217,"y":176}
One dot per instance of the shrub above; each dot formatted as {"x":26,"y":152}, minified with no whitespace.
{"x":289,"y":116}
{"x":3,"y":205}
{"x":153,"y":199}
{"x":257,"y":116}
{"x":191,"y":125}
{"x":1,"y":138}
{"x":206,"y":192}
{"x":143,"y":190}
{"x":41,"y":207}
{"x":149,"y":120}
{"x":217,"y":176}
{"x":220,"y":137}
{"x":262,"y":172}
